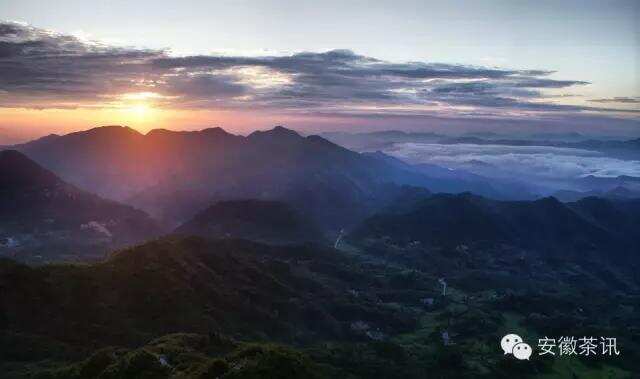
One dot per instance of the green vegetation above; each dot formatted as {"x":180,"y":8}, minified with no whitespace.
{"x":247,"y":310}
{"x":190,"y":356}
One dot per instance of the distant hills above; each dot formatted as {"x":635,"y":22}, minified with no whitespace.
{"x":521,"y":176}
{"x":43,"y":215}
{"x":616,"y":188}
{"x":174,"y":175}
{"x":591,"y":228}
{"x":624,"y":149}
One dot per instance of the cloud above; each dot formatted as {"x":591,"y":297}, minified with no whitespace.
{"x":205,"y":86}
{"x":335,"y":77}
{"x":531,"y":162}
{"x":547,"y":83}
{"x":622,"y":100}
{"x":45,"y":69}
{"x":41,"y":68}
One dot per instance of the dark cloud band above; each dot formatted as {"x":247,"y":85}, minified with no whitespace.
{"x":621,"y":100}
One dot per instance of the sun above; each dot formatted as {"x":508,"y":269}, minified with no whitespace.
{"x":139,"y":107}
{"x":140,"y":111}
{"x":138,"y":114}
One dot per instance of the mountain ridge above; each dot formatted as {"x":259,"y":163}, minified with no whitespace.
{"x":173,"y":175}
{"x":590,"y":228}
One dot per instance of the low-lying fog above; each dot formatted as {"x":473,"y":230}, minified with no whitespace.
{"x":552,"y":166}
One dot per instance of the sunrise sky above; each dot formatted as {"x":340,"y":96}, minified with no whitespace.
{"x":501,"y":66}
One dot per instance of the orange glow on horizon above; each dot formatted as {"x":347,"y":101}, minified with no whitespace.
{"x":138,"y":116}
{"x":25,"y":124}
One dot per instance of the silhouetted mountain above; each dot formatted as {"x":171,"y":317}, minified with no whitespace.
{"x":256,"y":220}
{"x":546,"y":226}
{"x":42,"y":141}
{"x":614,"y":193}
{"x":173,"y":175}
{"x":278,"y":135}
{"x":42,"y":215}
{"x":105,"y":160}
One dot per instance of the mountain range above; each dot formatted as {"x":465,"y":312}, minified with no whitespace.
{"x":174,"y":175}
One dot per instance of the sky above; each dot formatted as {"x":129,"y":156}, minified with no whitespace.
{"x":502,"y":66}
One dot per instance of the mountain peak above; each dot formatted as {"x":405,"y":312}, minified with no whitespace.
{"x":279,"y":132}
{"x":216,"y":131}
{"x":281,"y":129}
{"x":159,"y":131}
{"x":110,"y":130}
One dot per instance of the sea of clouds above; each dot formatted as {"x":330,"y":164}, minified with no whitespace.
{"x":521,"y":162}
